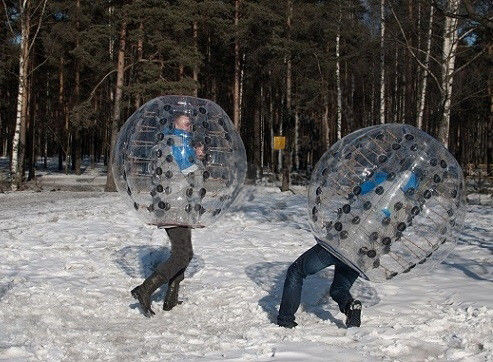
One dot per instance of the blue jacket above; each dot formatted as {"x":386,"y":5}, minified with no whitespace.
{"x":184,"y":154}
{"x":380,"y":177}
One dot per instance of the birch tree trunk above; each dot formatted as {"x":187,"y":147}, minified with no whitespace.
{"x":382,"y":61}
{"x":424,"y":79}
{"x":110,"y":179}
{"x":448,"y":65}
{"x":19,"y":140}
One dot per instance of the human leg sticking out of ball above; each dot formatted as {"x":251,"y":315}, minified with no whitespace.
{"x":311,"y":262}
{"x":170,"y":271}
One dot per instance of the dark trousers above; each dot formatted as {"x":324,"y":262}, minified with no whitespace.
{"x":311,"y":262}
{"x":181,"y":253}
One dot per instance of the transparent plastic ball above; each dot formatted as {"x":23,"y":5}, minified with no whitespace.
{"x":179,"y":161}
{"x":387,"y":200}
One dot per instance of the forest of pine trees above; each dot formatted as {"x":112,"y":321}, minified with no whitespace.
{"x":72,"y":71}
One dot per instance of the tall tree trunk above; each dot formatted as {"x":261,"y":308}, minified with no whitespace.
{"x":19,"y":140}
{"x":115,"y":121}
{"x":296,"y":140}
{"x":338,"y":78}
{"x":288,"y":149}
{"x":236,"y":90}
{"x":195,"y":74}
{"x":448,"y":65}
{"x":424,"y":79}
{"x":382,"y":61}
{"x":489,"y":151}
{"x":76,"y":139}
{"x":140,"y":55}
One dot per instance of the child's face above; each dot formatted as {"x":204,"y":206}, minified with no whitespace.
{"x":199,"y":151}
{"x":183,"y":123}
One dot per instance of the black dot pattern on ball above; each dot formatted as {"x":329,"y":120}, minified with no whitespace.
{"x":414,"y":147}
{"x":443,"y":164}
{"x":318,"y":191}
{"x":390,"y":176}
{"x":314,"y":211}
{"x":386,"y":221}
{"x":189,"y":192}
{"x":338,"y":226}
{"x":401,"y":226}
{"x":396,"y":146}
{"x":367,"y":205}
{"x":136,"y":206}
{"x":169,"y":174}
{"x":318,"y":200}
{"x":427,"y":194}
{"x":374,"y":236}
{"x":343,"y":234}
{"x":170,"y":141}
{"x":202,"y":192}
{"x":188,"y":208}
{"x":453,"y":193}
{"x":386,"y":241}
{"x":159,"y":171}
{"x":436,"y":178}
{"x":129,"y":191}
{"x":450,"y":212}
{"x":169,"y":158}
{"x":167,"y":190}
{"x":398,"y":206}
{"x":202,"y":110}
{"x":415,"y":210}
{"x":357,"y":190}
{"x":160,"y":136}
{"x":371,"y":253}
{"x":346,"y":209}
{"x":409,"y":137}
{"x":379,"y":190}
{"x":206,"y":175}
{"x":159,"y":188}
{"x":433,"y":162}
{"x":159,"y":153}
{"x":410,"y":191}
{"x":356,"y":220}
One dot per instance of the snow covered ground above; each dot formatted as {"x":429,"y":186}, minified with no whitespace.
{"x":69,"y":259}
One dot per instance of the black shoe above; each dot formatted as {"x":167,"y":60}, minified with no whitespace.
{"x":144,"y":292}
{"x":287,"y":324}
{"x":171,"y":299}
{"x":353,"y":314}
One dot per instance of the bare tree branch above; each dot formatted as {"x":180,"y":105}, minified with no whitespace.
{"x":472,"y":14}
{"x":8,"y":18}
{"x":39,"y":26}
{"x":409,"y":48}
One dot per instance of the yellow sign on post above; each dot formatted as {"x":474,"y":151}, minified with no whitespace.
{"x":279,"y":142}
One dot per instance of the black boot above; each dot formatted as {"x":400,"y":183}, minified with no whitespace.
{"x":353,"y":314}
{"x":171,"y":299}
{"x":144,"y":292}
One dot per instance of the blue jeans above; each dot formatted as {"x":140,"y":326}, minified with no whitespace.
{"x":311,"y":262}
